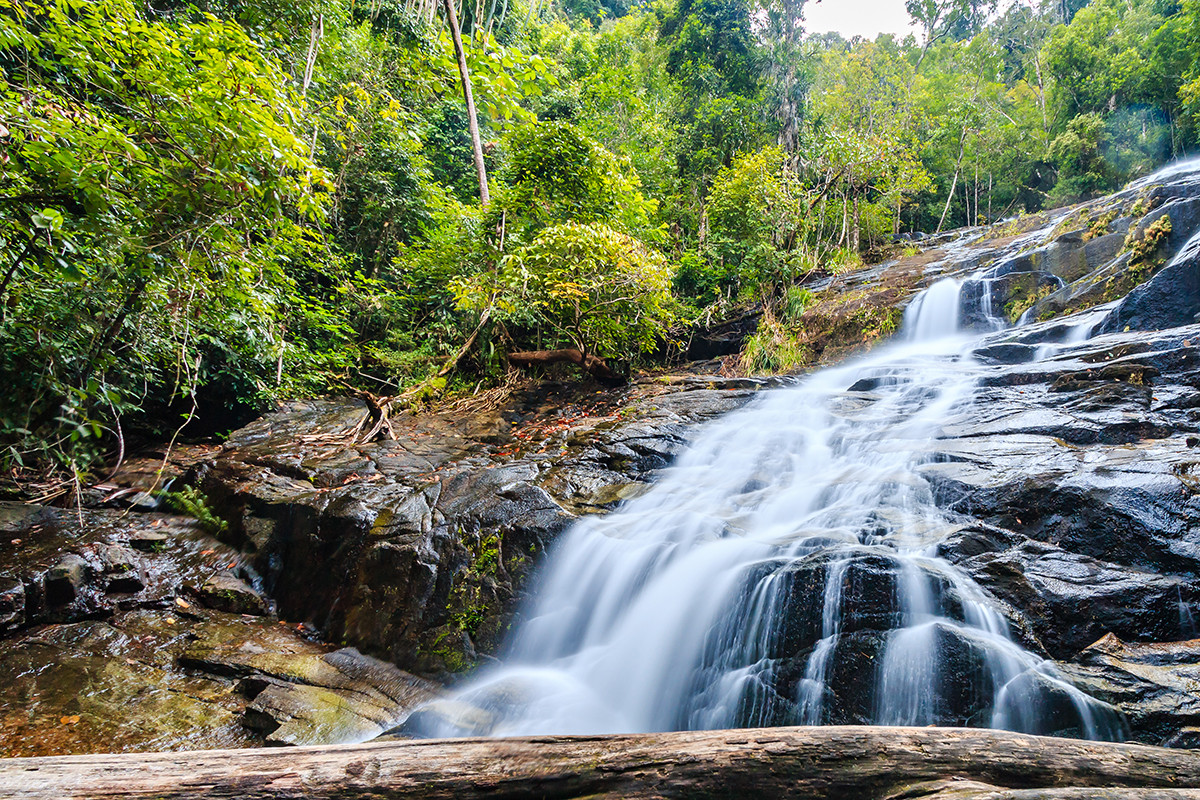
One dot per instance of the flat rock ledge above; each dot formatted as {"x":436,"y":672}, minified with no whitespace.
{"x":856,"y":763}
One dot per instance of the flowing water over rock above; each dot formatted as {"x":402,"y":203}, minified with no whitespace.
{"x":785,"y":571}
{"x":969,"y":527}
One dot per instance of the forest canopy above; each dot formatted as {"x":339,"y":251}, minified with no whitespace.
{"x":205,"y":206}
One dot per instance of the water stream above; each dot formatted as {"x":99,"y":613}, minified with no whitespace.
{"x":785,"y":571}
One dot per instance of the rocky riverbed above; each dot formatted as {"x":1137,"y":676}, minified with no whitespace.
{"x":351,"y":581}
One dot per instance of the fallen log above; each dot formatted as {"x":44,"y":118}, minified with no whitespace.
{"x":837,"y":763}
{"x":594,"y":366}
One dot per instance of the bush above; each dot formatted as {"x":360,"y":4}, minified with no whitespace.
{"x":589,"y":286}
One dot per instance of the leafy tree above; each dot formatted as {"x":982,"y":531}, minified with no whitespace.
{"x":755,"y":211}
{"x":862,"y":147}
{"x":587,"y":286}
{"x":555,"y":174}
{"x":958,"y":19}
{"x":150,"y":170}
{"x":1079,"y":154}
{"x":713,"y":54}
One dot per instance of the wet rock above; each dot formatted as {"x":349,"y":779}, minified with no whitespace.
{"x":1154,"y":684}
{"x":303,"y":694}
{"x":1007,"y":353}
{"x":418,"y":548}
{"x":359,"y":699}
{"x":122,"y":566}
{"x":224,"y":592}
{"x":66,"y":580}
{"x":111,"y":686}
{"x":1169,"y":299}
{"x":186,"y":677}
{"x":1070,"y":599}
{"x":67,"y":573}
{"x":12,"y":603}
{"x":149,"y":541}
{"x":452,"y":717}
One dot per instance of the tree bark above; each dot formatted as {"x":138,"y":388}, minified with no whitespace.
{"x":472,"y":120}
{"x":834,"y":763}
{"x":596,"y":367}
{"x":962,"y":145}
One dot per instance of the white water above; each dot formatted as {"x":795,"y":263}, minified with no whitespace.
{"x":796,"y":538}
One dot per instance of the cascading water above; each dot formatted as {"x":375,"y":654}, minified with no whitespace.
{"x":784,"y":571}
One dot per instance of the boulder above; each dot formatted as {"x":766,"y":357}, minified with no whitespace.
{"x":224,"y":592}
{"x":1168,"y":300}
{"x":1153,"y":683}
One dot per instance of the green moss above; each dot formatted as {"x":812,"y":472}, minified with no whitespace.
{"x":471,"y":600}
{"x":487,"y":561}
{"x":1145,"y":258}
{"x":451,"y":656}
{"x":1025,"y":300}
{"x":1145,"y":247}
{"x":384,"y":519}
{"x":1100,"y":225}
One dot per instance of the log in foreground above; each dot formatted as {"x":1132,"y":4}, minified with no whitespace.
{"x":857,"y":763}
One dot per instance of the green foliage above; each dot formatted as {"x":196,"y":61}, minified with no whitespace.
{"x":755,"y":212}
{"x":155,"y":190}
{"x":193,"y":502}
{"x":209,"y":204}
{"x":774,"y":349}
{"x":555,"y":174}
{"x":1078,"y":152}
{"x":586,"y":285}
{"x":1144,"y":246}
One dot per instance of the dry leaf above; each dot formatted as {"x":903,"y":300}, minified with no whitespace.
{"x":179,"y":601}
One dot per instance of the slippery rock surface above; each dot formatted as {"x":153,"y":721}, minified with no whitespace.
{"x":418,"y":549}
{"x":1157,"y":684}
{"x":1074,"y":477}
{"x":114,"y":642}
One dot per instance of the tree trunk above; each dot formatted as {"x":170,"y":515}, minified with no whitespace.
{"x":12,"y":268}
{"x":596,"y":367}
{"x":472,"y":120}
{"x":835,"y":763}
{"x":856,"y":234}
{"x":962,"y":145}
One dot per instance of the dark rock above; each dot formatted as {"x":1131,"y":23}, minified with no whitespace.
{"x":1070,"y":600}
{"x":66,"y":580}
{"x":721,"y":340}
{"x":224,"y":592}
{"x":149,"y":542}
{"x":123,"y":568}
{"x":12,"y":603}
{"x":1153,"y":684}
{"x":1007,"y":353}
{"x":1169,"y":299}
{"x":418,"y":548}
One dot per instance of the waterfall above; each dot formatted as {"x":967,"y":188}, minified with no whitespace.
{"x":783,"y":571}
